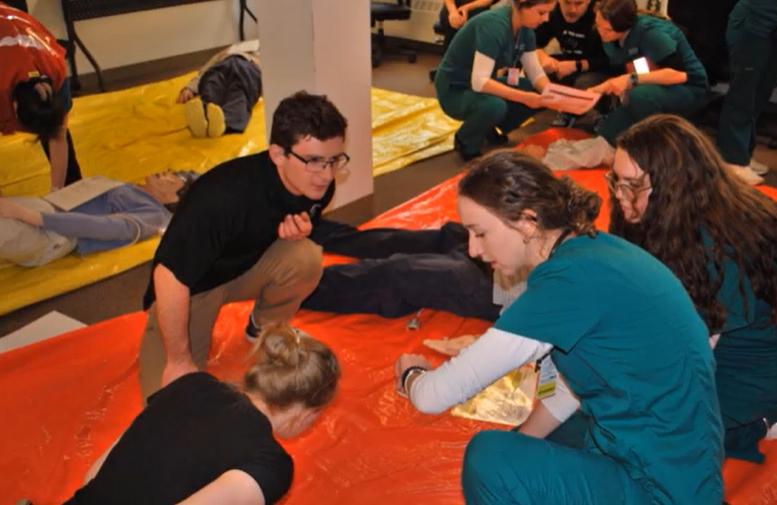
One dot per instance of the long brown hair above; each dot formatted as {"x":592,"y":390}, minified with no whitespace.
{"x":694,"y":190}
{"x":508,"y":182}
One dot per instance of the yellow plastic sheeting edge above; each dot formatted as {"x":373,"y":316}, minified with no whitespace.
{"x":25,"y":286}
{"x":132,"y":133}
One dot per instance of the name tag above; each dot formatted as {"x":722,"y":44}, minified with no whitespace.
{"x":546,"y":387}
{"x":513,"y":75}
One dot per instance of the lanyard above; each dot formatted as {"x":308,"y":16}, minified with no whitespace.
{"x":559,"y":240}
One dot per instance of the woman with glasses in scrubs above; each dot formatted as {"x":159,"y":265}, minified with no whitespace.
{"x":674,"y":196}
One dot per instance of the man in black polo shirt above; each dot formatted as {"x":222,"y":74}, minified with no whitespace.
{"x":239,"y":234}
{"x":581,"y":62}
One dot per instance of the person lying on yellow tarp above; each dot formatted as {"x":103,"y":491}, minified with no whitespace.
{"x":35,"y":233}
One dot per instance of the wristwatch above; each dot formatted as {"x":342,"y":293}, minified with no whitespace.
{"x":579,"y":65}
{"x":634,"y":79}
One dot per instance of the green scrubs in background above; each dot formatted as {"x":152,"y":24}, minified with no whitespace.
{"x":746,"y":357}
{"x":632,"y":347}
{"x":491,"y":34}
{"x":752,"y":47}
{"x":655,"y":39}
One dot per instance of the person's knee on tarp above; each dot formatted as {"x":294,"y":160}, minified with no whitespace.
{"x":242,"y":234}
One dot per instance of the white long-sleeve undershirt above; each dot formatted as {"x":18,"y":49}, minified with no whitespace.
{"x":493,"y":355}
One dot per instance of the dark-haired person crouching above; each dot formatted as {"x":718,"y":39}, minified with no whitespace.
{"x":241,"y":233}
{"x":35,"y":91}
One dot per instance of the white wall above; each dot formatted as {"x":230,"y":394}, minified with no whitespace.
{"x":323,"y":47}
{"x":149,"y":35}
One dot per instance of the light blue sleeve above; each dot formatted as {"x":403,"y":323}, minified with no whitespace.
{"x":84,"y":226}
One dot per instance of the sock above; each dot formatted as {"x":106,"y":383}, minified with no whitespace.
{"x":216,"y":124}
{"x":195,"y":118}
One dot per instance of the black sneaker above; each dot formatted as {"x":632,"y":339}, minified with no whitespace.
{"x":564,"y":120}
{"x":252,"y":330}
{"x":598,"y":121}
{"x":462,"y":150}
{"x":496,"y":138}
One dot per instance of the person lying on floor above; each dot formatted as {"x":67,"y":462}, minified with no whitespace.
{"x":200,"y":440}
{"x":35,"y":91}
{"x":35,"y":233}
{"x":674,"y":196}
{"x":623,"y":332}
{"x":221,"y":97}
{"x":241,"y":234}
{"x":404,"y":271}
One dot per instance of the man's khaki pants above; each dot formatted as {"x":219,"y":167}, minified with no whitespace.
{"x":282,"y":278}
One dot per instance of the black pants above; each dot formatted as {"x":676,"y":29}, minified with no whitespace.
{"x":73,"y":173}
{"x":235,"y":85}
{"x":401,"y":272}
{"x":448,"y":31}
{"x":17,"y":4}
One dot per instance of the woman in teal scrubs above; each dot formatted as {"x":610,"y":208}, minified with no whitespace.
{"x":621,"y":331}
{"x":676,"y":82}
{"x":467,"y":85}
{"x":673,"y":196}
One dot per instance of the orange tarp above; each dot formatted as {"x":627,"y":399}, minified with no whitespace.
{"x":65,"y":400}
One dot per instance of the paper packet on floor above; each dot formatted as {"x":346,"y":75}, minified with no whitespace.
{"x":571,"y":100}
{"x":506,"y":401}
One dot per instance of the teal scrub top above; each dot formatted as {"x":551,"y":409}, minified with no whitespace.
{"x":632,"y":347}
{"x":491,"y":34}
{"x":656,"y":39}
{"x":746,"y":353}
{"x":758,"y":17}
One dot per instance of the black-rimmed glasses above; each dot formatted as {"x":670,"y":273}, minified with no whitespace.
{"x":319,"y":164}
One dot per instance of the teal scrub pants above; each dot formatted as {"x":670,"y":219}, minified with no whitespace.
{"x":753,"y":77}
{"x":649,"y":99}
{"x":504,"y":468}
{"x":481,"y":112}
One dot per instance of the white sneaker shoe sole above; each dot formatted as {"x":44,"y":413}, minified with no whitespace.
{"x":758,"y":167}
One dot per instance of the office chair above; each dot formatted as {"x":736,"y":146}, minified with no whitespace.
{"x":385,"y":11}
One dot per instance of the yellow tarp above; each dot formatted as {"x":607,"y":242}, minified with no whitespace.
{"x":129,"y":134}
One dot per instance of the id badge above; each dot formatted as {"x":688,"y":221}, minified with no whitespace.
{"x":546,"y":387}
{"x":513,"y":75}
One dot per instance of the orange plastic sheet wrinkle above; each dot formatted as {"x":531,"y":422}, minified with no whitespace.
{"x":64,"y":401}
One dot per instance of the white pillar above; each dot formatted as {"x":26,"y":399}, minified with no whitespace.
{"x":323,"y":47}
